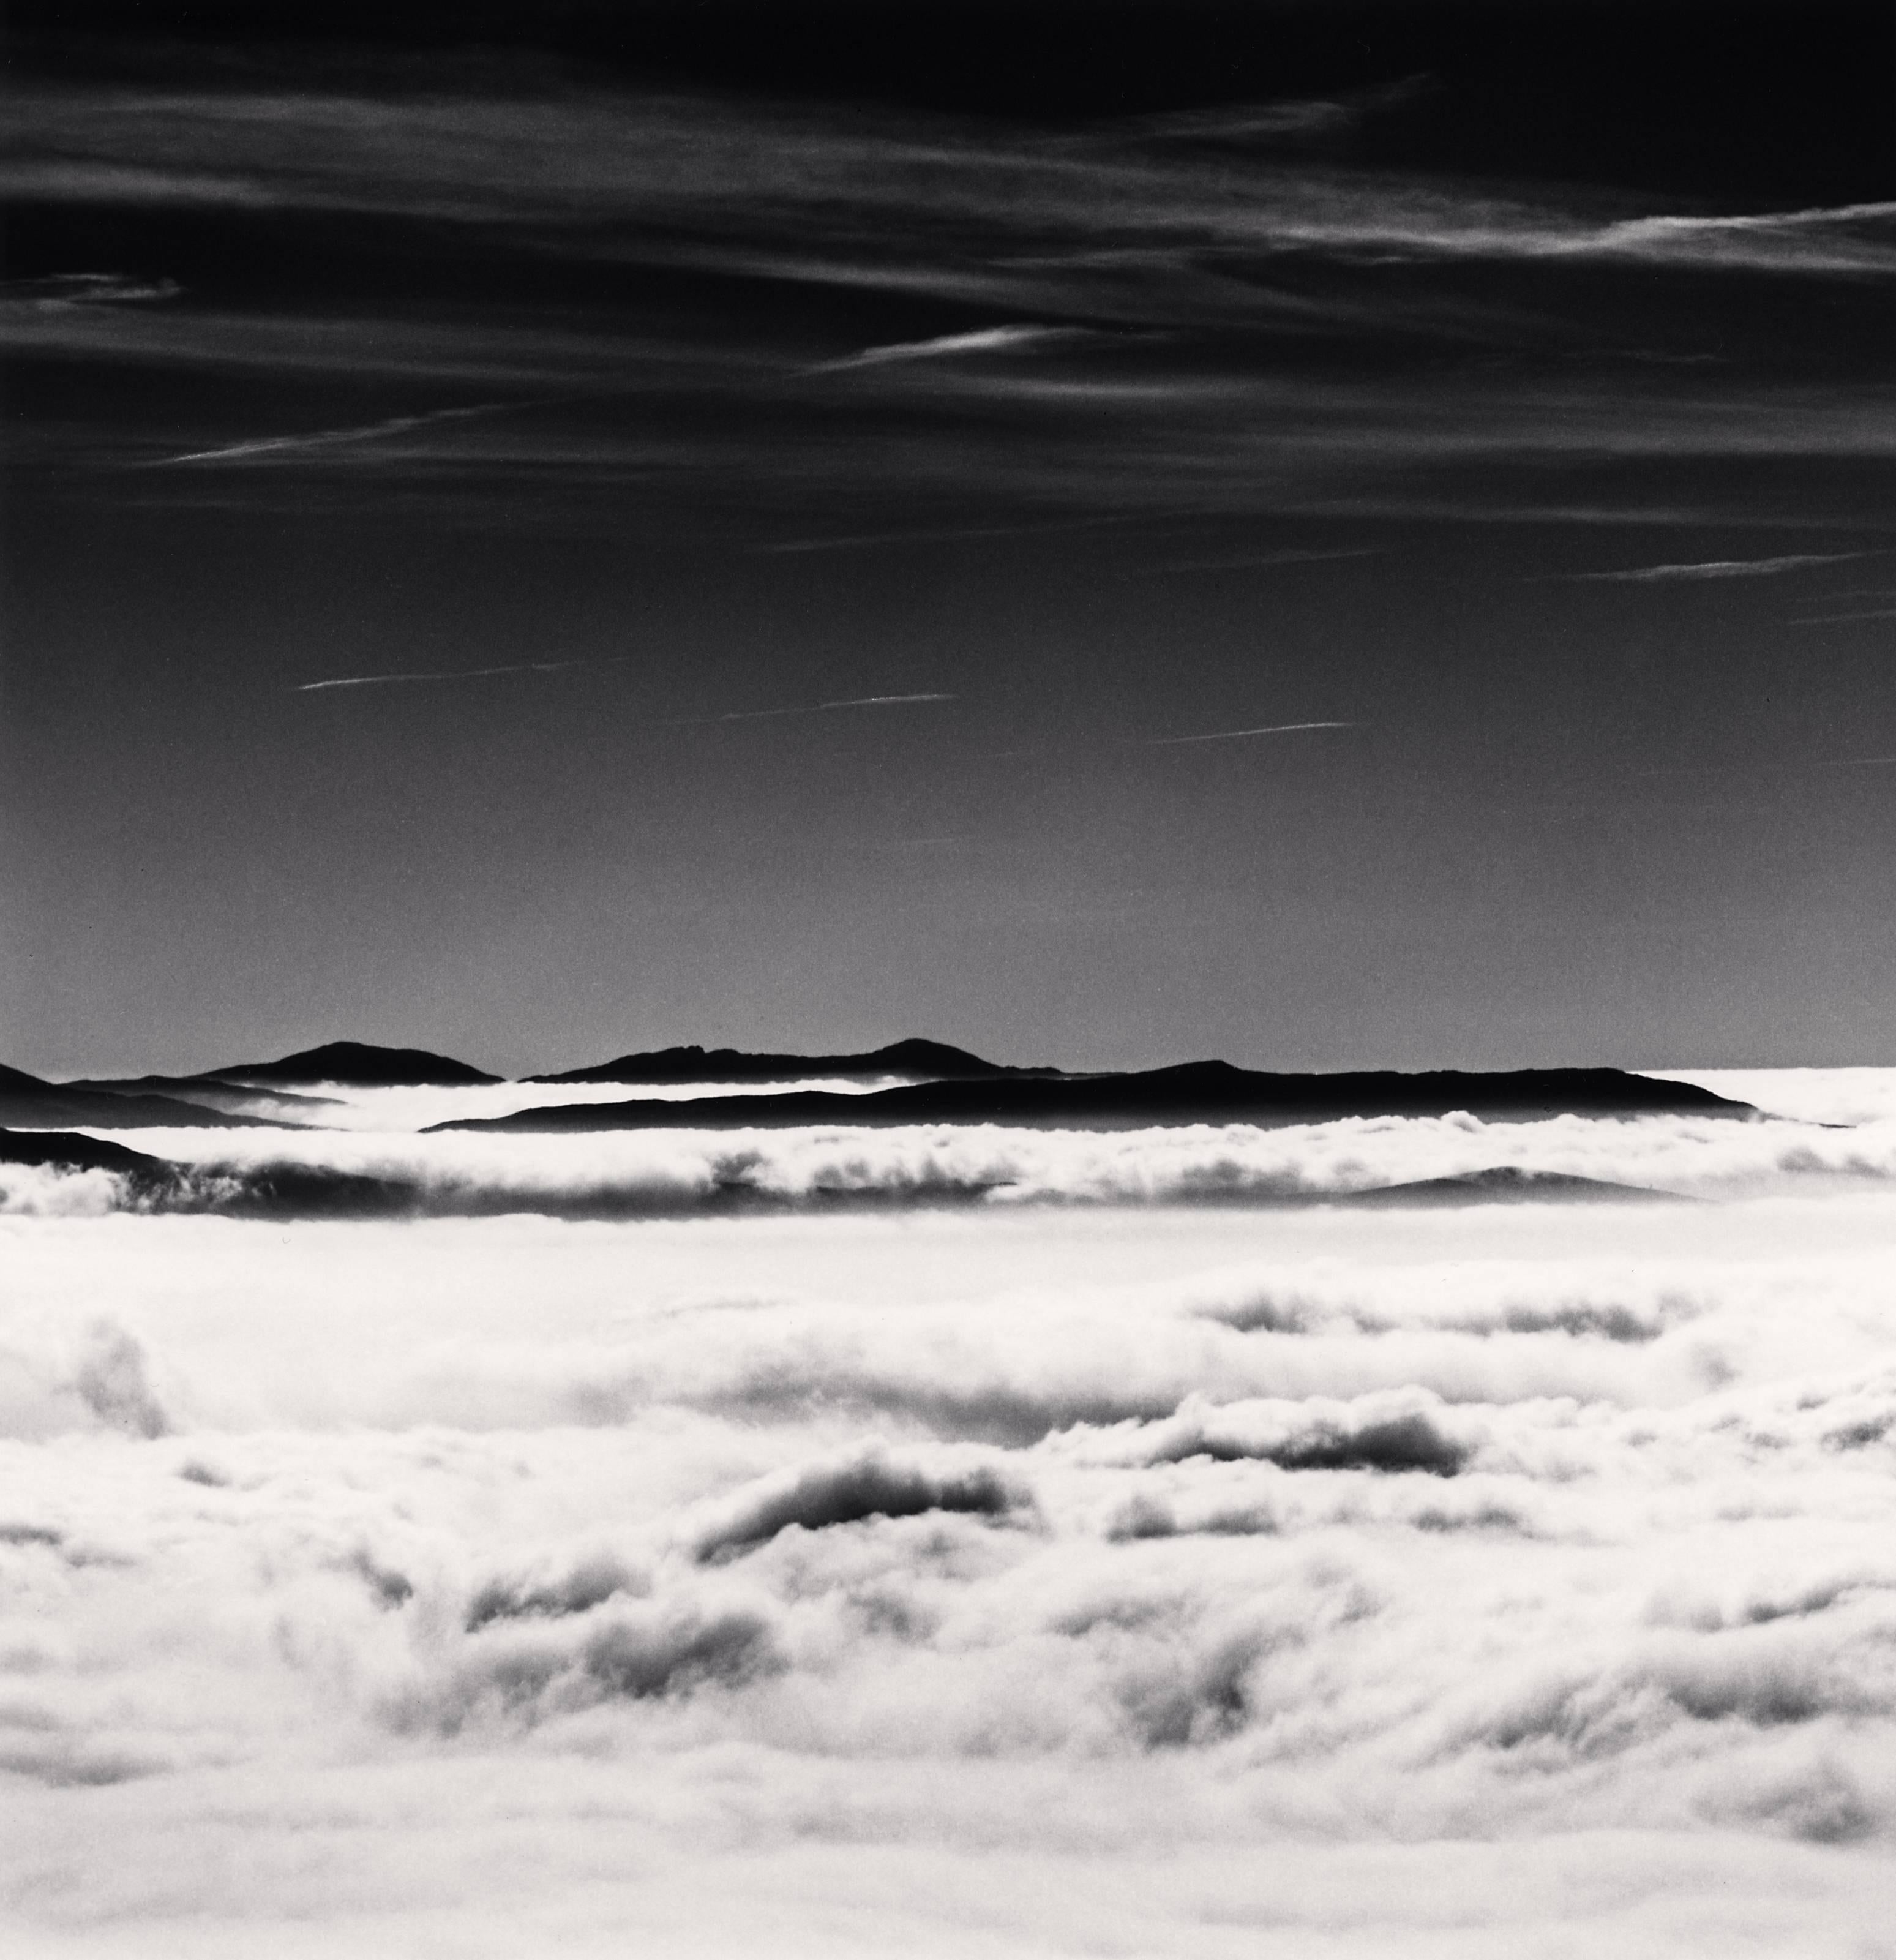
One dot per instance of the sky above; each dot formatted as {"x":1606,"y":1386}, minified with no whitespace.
{"x":1335,"y":536}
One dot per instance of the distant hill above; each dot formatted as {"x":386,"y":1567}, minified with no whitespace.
{"x":1198,"y":1092}
{"x":360,"y":1065}
{"x":207,"y":1092}
{"x":930,"y":1061}
{"x":1509,"y":1183}
{"x":71,"y":1149}
{"x":28,"y":1103}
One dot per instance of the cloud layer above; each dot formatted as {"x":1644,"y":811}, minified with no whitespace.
{"x":1028,"y":1580}
{"x":1825,"y":1132}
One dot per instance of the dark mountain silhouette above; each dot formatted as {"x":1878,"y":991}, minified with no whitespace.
{"x":27,"y":1102}
{"x":360,"y":1065}
{"x":932,"y":1060}
{"x":1509,"y":1183}
{"x":71,"y":1149}
{"x":233,"y":1099}
{"x":1196,"y":1092}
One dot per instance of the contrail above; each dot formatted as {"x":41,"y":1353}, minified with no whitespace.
{"x":882,"y":700}
{"x":1837,"y":618}
{"x":1717,"y":567}
{"x":616,"y":660}
{"x":277,"y":445}
{"x":457,"y":673}
{"x":1234,"y":734}
{"x":814,"y":708}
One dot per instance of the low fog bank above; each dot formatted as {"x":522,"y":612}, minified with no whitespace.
{"x":652,"y":1173}
{"x":1161,"y":1580}
{"x":1811,"y":1095}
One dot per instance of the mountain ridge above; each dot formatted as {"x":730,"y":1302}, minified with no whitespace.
{"x":1202,"y":1092}
{"x":28,"y":1103}
{"x":937,"y":1061}
{"x":210,"y":1092}
{"x":1509,"y":1183}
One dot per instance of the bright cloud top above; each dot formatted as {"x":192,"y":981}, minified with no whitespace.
{"x":1024,"y":1580}
{"x":990,"y":1167}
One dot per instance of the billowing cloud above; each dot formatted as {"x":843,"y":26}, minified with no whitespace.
{"x":864,"y":1486}
{"x":1390,"y":1431}
{"x":777,"y":1569}
{"x":647,"y":1172}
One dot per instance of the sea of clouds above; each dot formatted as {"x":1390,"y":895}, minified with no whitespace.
{"x":1125,"y":1577}
{"x":1837,"y":1135}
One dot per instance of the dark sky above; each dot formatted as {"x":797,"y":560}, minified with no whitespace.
{"x":874,"y":445}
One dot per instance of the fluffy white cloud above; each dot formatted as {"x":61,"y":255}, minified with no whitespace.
{"x":1022,"y":1580}
{"x":1816,"y":1095}
{"x":1806,"y":1150}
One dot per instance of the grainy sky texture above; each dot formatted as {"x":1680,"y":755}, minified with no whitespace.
{"x":542,"y":531}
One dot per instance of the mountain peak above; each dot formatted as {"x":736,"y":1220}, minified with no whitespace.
{"x":361,"y":1064}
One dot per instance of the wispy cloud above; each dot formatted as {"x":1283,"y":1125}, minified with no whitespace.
{"x":868,"y":540}
{"x":457,"y":673}
{"x":1239,"y":734}
{"x":1294,"y":124}
{"x":1844,"y":239}
{"x":883,"y":201}
{"x":950,"y":534}
{"x":1266,"y":561}
{"x":947,"y":346}
{"x":60,"y":292}
{"x":878,"y":201}
{"x":1717,"y":567}
{"x":1183,"y":321}
{"x":282,"y":445}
